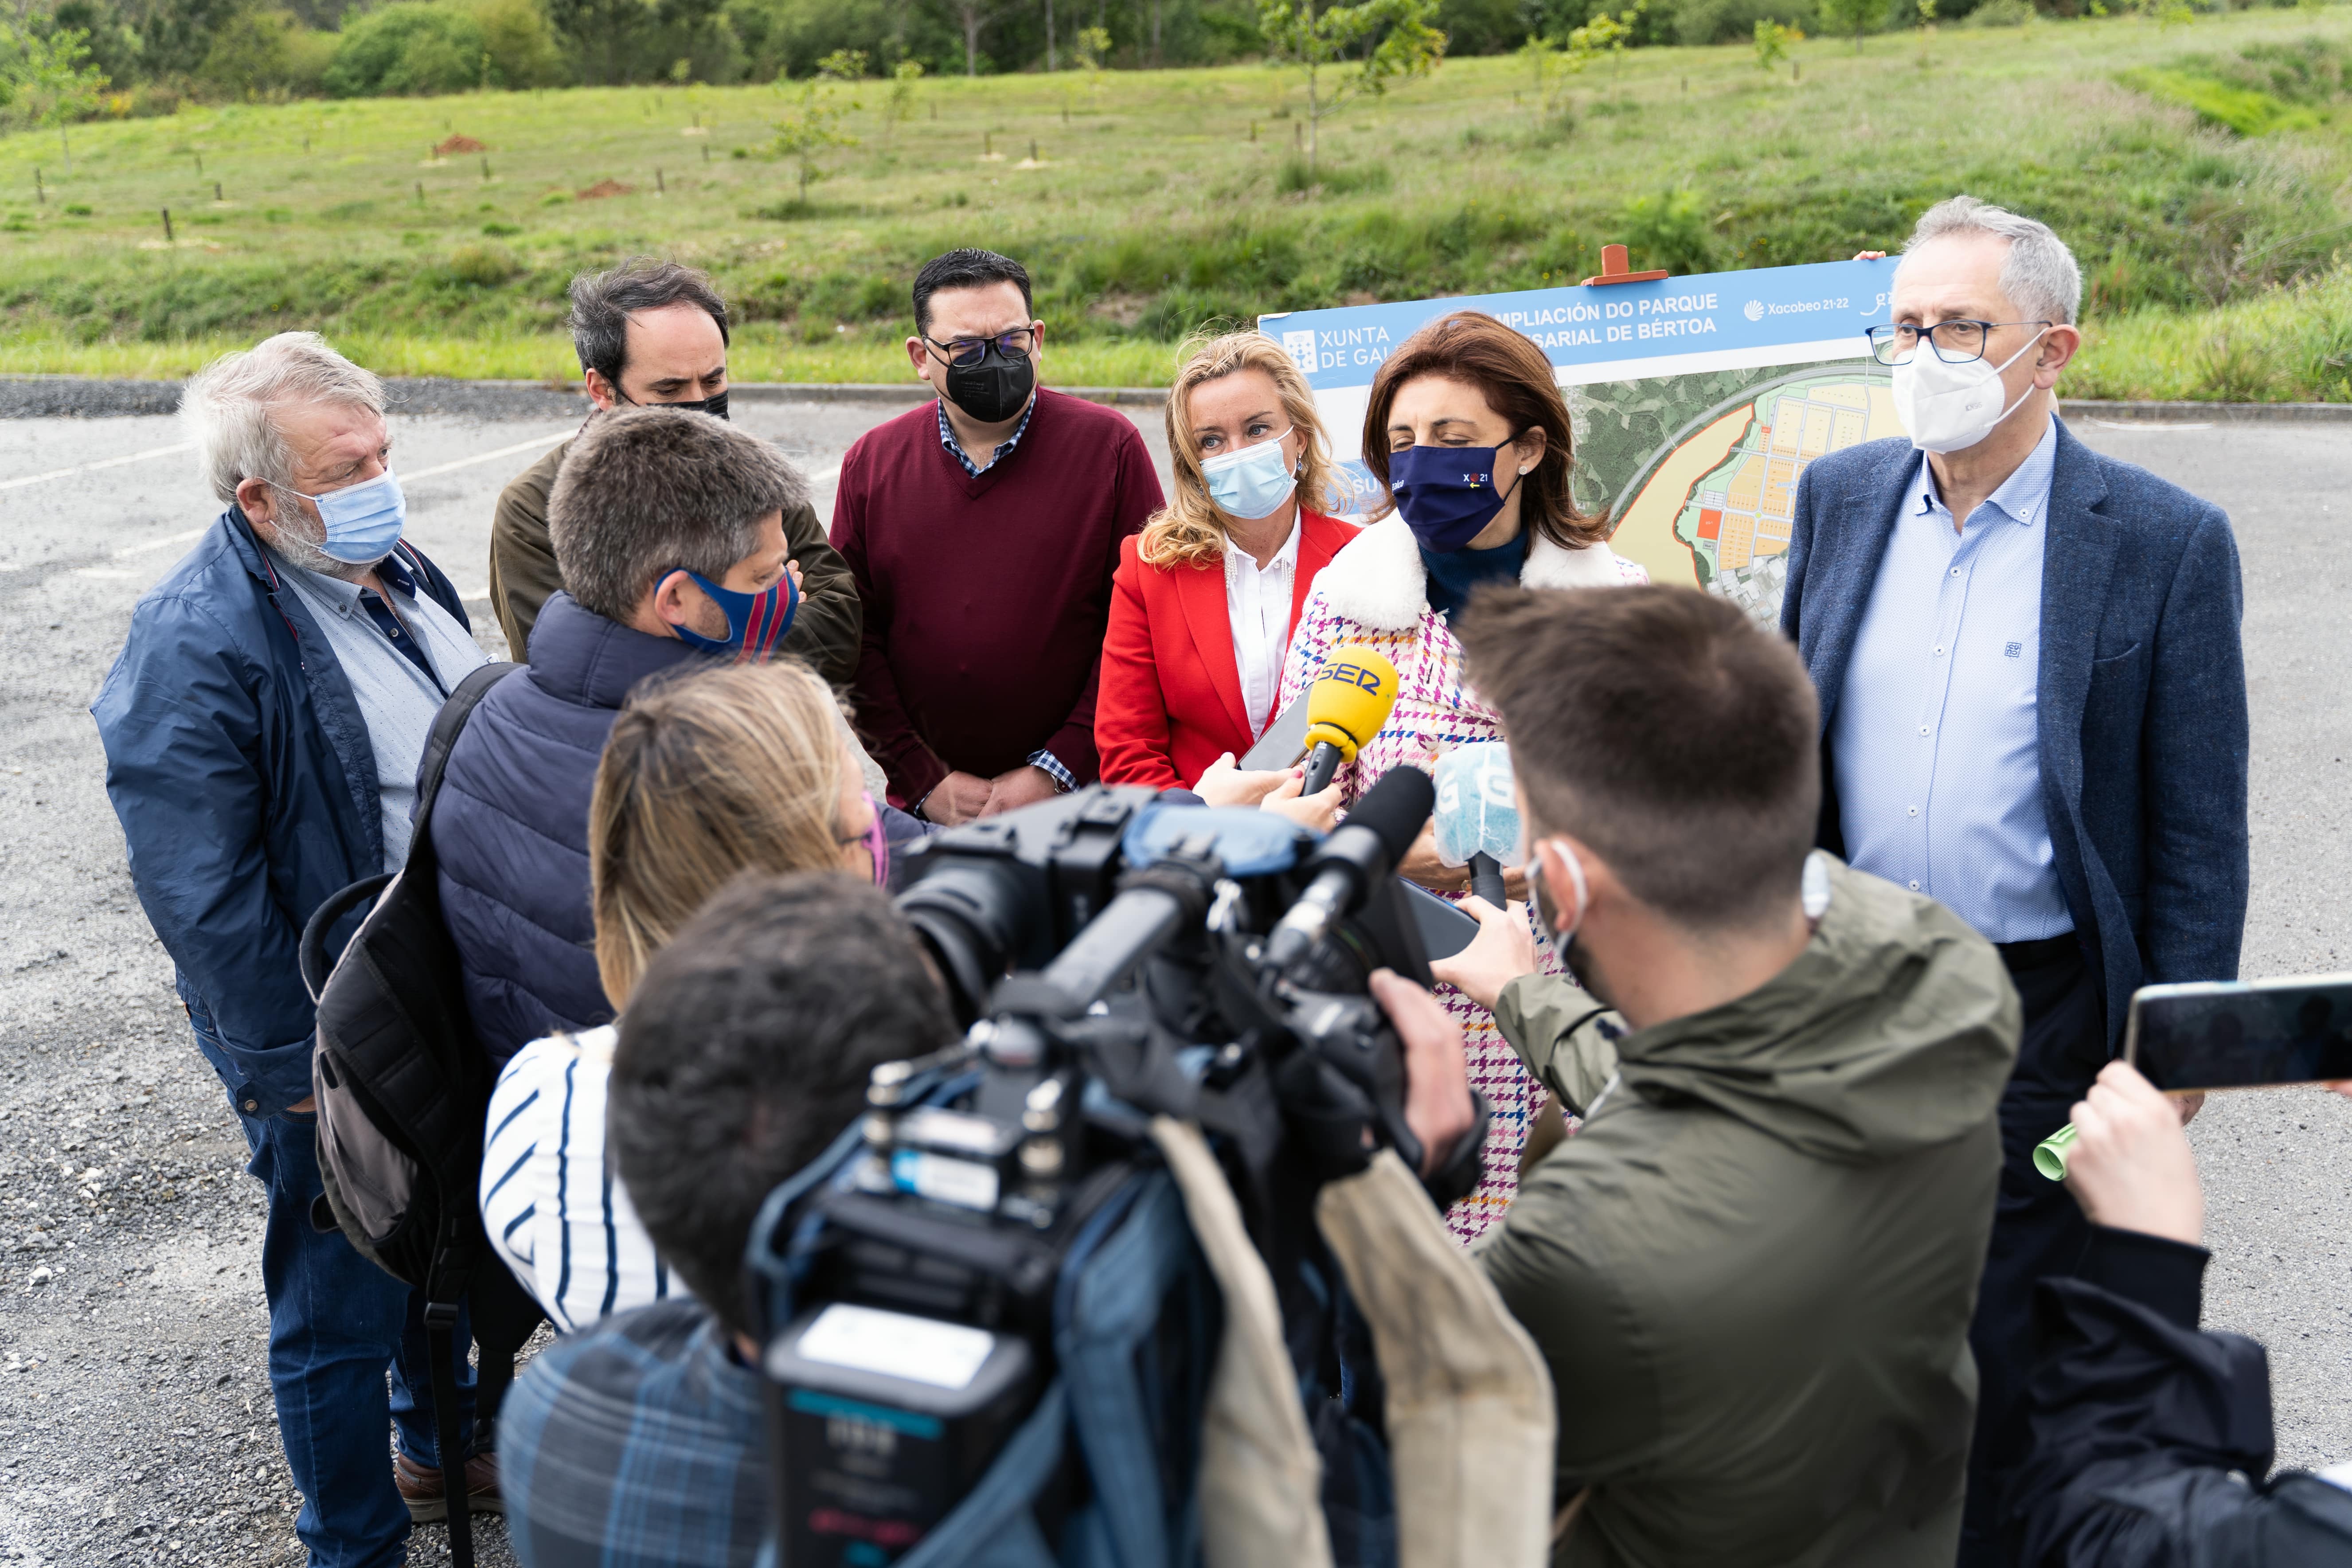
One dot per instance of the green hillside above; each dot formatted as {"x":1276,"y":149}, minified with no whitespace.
{"x":2195,"y":167}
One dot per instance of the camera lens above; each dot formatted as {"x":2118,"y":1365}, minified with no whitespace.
{"x":971,"y":915}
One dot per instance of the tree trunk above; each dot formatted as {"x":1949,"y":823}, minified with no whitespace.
{"x":1052,"y":63}
{"x":1155,"y":32}
{"x":970,"y":14}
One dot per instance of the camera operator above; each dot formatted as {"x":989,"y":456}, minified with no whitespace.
{"x":2150,"y":1440}
{"x":1751,"y":1273}
{"x":744,"y":1052}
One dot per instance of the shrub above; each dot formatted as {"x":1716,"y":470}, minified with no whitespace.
{"x":410,"y":47}
{"x":481,"y":266}
{"x":258,"y":52}
{"x":522,"y":44}
{"x":77,"y":209}
{"x":1295,"y":178}
{"x":1999,"y":14}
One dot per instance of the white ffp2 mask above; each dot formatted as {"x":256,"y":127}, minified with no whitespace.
{"x":1949,"y":407}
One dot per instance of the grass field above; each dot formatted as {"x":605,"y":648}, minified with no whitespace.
{"x":1147,"y":202}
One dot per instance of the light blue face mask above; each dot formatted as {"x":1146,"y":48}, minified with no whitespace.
{"x":1253,"y":482}
{"x":363,"y":521}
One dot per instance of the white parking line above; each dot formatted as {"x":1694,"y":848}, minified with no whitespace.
{"x":102,"y":463}
{"x":532,"y":445}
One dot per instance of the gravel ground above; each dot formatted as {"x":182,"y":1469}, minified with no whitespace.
{"x":135,"y":1418}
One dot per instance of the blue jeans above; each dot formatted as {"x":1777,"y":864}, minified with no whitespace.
{"x":337,"y":1324}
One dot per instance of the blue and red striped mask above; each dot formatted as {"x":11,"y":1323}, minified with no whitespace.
{"x":756,"y":623}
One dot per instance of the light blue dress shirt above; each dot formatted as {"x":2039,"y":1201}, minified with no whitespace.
{"x":1939,"y":763}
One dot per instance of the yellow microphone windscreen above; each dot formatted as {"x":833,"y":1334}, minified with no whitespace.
{"x":1350,"y":699}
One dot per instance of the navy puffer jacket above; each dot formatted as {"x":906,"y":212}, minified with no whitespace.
{"x":511,"y":825}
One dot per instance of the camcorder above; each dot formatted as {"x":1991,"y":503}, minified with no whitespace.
{"x":1115,"y":957}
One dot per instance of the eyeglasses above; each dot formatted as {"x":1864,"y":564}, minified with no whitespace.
{"x":874,"y":836}
{"x":1014,"y":344}
{"x":1957,"y":342}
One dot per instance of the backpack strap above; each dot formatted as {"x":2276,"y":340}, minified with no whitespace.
{"x":442,"y":740}
{"x":438,"y":744}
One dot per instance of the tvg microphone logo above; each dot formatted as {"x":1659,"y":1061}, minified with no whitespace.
{"x":1354,"y":675}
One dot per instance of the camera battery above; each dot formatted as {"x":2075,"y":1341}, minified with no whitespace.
{"x":888,"y":1420}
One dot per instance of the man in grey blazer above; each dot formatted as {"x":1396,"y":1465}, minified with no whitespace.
{"x":2034,"y":709}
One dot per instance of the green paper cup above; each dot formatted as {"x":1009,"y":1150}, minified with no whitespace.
{"x":2050,"y":1154}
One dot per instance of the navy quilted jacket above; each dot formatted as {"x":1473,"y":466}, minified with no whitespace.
{"x":511,"y":825}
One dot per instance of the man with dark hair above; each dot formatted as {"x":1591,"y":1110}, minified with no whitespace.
{"x":744,"y":1052}
{"x":670,"y":529}
{"x":982,"y":529}
{"x":654,"y":334}
{"x":1751,"y":1273}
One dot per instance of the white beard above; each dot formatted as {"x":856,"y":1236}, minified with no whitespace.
{"x":291,"y":538}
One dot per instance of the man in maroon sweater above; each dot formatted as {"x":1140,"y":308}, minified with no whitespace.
{"x":982,"y":529}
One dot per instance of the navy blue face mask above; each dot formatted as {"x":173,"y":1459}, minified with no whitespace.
{"x":1447,"y":495}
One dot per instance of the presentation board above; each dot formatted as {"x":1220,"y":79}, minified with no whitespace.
{"x":1696,"y":402}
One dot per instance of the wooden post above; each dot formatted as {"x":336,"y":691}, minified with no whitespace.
{"x":167,"y":226}
{"x":420,"y":193}
{"x":659,"y":189}
{"x":217,"y":192}
{"x":39,"y":195}
{"x":486,"y":168}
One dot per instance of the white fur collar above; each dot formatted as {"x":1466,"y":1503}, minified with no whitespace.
{"x":1378,"y":580}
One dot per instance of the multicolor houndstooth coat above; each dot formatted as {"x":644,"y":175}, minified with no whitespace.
{"x":1375,"y":595}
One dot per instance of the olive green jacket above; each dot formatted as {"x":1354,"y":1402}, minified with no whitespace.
{"x":523,"y":575}
{"x":1751,"y":1272}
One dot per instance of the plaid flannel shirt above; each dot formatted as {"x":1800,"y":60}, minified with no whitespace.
{"x":636,"y":1443}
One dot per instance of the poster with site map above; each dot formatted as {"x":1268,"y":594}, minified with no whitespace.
{"x":1695,"y":402}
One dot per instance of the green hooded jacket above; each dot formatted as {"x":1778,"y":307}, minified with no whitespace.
{"x":1752,"y":1270}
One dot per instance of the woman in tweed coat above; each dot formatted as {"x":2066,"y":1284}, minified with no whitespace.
{"x":1464,"y":412}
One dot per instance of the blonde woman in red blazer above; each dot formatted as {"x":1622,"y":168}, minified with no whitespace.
{"x":1206,"y":596}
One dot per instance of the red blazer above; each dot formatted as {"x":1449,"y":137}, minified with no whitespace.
{"x":1170,"y":701}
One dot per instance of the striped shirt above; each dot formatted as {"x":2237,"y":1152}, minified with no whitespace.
{"x":556,"y":1212}
{"x":1934,"y":737}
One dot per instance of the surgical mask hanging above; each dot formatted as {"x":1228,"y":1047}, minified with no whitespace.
{"x":1949,"y":407}
{"x":1253,"y":482}
{"x":756,"y":623}
{"x":363,"y":520}
{"x":994,"y":388}
{"x":1447,"y":495}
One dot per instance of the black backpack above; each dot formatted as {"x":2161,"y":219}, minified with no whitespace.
{"x":403,"y":1088}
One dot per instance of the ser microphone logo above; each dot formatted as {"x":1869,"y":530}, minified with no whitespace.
{"x":1354,"y":675}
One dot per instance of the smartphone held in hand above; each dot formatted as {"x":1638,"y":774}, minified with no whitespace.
{"x":2242,"y":1034}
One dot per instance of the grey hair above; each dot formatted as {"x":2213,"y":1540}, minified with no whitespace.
{"x":603,"y":302}
{"x":230,"y":406}
{"x":644,"y":492}
{"x":2040,"y":277}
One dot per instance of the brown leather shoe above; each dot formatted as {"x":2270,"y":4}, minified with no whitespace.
{"x":420,"y":1488}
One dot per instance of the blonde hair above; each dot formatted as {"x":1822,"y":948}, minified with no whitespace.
{"x":1189,"y":529}
{"x":728,"y":770}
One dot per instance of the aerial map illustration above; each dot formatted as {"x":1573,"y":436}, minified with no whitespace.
{"x":1700,"y":471}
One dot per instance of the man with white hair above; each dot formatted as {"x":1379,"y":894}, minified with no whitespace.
{"x":262,"y":729}
{"x":2034,"y":710}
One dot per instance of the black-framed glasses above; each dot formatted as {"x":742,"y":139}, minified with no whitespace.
{"x":1015,"y":344}
{"x":1956,"y":343}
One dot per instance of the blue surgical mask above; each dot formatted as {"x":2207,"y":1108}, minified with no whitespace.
{"x":756,"y":623}
{"x":1447,"y":495}
{"x":1253,"y":482}
{"x":363,"y":521}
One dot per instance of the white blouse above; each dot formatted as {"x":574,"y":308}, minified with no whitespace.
{"x":1257,"y":603}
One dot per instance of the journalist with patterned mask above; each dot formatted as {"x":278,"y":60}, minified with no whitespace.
{"x":2034,"y":710}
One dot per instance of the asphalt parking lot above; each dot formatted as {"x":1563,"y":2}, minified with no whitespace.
{"x":135,"y":1421}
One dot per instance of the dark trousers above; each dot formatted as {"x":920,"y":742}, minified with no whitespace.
{"x":2038,"y":1229}
{"x":338,"y":1325}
